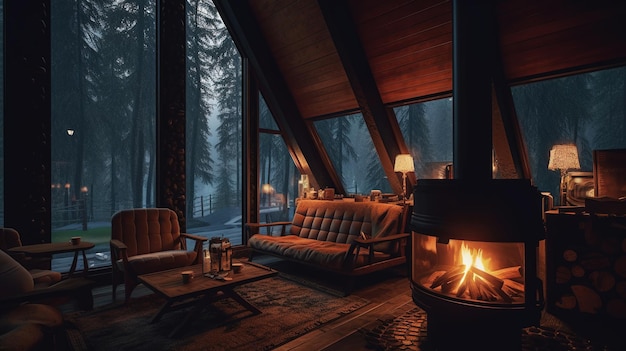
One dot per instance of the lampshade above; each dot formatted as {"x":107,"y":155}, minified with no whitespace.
{"x":404,"y":163}
{"x":563,"y":157}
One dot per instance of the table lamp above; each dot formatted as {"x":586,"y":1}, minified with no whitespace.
{"x":563,"y":157}
{"x":404,"y":164}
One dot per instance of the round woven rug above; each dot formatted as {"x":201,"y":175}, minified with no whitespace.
{"x":408,"y":332}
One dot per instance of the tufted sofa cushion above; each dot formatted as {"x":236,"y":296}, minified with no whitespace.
{"x":161,"y":227}
{"x":342,"y":221}
{"x":321,"y":232}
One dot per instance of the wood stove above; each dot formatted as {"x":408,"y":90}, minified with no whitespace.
{"x":474,"y":260}
{"x":475,"y":239}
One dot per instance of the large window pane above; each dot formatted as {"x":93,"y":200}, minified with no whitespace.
{"x":214,"y":120}
{"x":427,"y":131}
{"x":278,"y":176}
{"x":103,"y":118}
{"x":349,"y":146}
{"x":587,"y":110}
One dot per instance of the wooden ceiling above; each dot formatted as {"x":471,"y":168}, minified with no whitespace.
{"x":407,"y":45}
{"x":321,"y":58}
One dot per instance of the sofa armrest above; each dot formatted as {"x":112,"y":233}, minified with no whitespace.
{"x":118,"y":250}
{"x":383,"y":239}
{"x":254,"y":228}
{"x":198,"y":245}
{"x":118,"y":245}
{"x":358,"y":243}
{"x":193,"y":237}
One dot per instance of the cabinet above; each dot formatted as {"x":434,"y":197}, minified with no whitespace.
{"x":586,"y":265}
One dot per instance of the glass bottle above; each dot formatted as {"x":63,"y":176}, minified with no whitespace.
{"x":206,"y":262}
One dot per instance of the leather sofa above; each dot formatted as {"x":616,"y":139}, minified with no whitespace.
{"x":349,"y":238}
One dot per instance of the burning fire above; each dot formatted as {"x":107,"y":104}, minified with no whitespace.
{"x":472,"y":257}
{"x":472,"y":278}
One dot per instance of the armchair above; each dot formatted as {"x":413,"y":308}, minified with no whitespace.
{"x":146,"y":240}
{"x":29,"y":319}
{"x":38,"y":267}
{"x":10,"y":238}
{"x":20,"y":286}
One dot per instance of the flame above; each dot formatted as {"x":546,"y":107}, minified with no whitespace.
{"x":468,"y":270}
{"x":471,"y":258}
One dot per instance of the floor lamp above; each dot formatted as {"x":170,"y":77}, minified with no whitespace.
{"x":404,"y":164}
{"x":563,"y":157}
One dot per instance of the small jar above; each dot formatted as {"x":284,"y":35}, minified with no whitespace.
{"x":216,"y":251}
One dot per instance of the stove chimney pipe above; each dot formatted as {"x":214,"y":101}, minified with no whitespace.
{"x":473,"y":57}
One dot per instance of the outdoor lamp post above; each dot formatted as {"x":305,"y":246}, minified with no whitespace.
{"x":83,"y":205}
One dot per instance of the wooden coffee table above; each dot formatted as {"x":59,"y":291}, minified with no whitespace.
{"x":200,"y":291}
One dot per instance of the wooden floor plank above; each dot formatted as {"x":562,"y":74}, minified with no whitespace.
{"x":389,"y":296}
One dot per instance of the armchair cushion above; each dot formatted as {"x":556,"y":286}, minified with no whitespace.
{"x":156,"y":261}
{"x":146,"y":230}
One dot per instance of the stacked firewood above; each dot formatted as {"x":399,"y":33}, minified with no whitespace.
{"x":591,"y":278}
{"x":500,"y":286}
{"x":596,"y":282}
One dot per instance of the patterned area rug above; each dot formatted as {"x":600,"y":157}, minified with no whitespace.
{"x":289,"y":310}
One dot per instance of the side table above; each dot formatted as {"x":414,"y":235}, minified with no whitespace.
{"x":48,"y":249}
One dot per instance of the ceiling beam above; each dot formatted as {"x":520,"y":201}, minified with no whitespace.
{"x":380,"y":120}
{"x":308,"y":155}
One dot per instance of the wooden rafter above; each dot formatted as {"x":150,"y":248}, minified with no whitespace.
{"x":304,"y":148}
{"x":380,"y":120}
